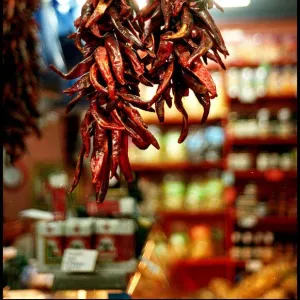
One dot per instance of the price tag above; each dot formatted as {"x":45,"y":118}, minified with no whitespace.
{"x":79,"y":260}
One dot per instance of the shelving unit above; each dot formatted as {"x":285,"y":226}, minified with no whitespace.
{"x":223,"y":265}
{"x":270,"y":175}
{"x":180,"y":166}
{"x":254,"y":141}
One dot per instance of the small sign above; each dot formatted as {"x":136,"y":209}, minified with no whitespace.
{"x":79,"y":260}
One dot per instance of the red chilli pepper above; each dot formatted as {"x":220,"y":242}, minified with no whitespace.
{"x":100,"y":148}
{"x":80,"y":69}
{"x":113,"y":50}
{"x":124,"y":161}
{"x":85,"y":132}
{"x":94,"y":81}
{"x":183,"y":54}
{"x":74,"y":101}
{"x":179,"y":105}
{"x":133,"y":58}
{"x":160,"y":110}
{"x":79,"y":85}
{"x":204,"y":100}
{"x":177,"y":6}
{"x":204,"y":77}
{"x":163,"y":85}
{"x":98,"y":12}
{"x":186,"y":24}
{"x":78,"y":169}
{"x":102,"y":61}
{"x":123,"y":31}
{"x":116,"y":149}
{"x":205,"y":44}
{"x":164,"y":52}
{"x":166,"y":10}
{"x":100,"y":118}
{"x":102,"y":180}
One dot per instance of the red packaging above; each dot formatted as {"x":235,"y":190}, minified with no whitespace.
{"x":115,"y":239}
{"x":57,"y":187}
{"x":50,"y":242}
{"x":124,"y":206}
{"x":79,"y":233}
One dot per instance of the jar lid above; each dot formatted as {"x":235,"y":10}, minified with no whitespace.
{"x":284,"y":114}
{"x":58,"y":180}
{"x":127,"y":205}
{"x":236,"y":237}
{"x":247,"y":238}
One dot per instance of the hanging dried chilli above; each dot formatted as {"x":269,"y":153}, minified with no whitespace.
{"x":166,"y":43}
{"x":20,"y":83}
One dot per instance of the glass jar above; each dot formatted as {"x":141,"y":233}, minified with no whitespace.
{"x":196,"y":194}
{"x":201,"y":241}
{"x":173,"y":191}
{"x":196,"y":144}
{"x":173,"y":150}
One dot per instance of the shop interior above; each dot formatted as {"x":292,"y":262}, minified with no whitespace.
{"x":214,"y":217}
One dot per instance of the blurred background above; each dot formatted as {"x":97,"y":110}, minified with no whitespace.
{"x":210,"y":212}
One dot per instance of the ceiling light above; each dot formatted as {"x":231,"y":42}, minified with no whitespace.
{"x":234,"y":3}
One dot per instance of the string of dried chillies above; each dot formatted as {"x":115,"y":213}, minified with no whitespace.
{"x":165,"y":43}
{"x":21,"y":84}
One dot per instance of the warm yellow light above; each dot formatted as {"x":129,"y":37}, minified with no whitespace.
{"x":148,"y":249}
{"x":134,"y":281}
{"x":141,"y":3}
{"x":234,"y":3}
{"x":81,"y":294}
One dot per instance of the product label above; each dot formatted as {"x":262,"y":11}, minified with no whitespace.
{"x":78,"y":242}
{"x":59,"y":204}
{"x":107,"y":207}
{"x":79,"y":260}
{"x":53,"y":250}
{"x":173,"y":194}
{"x":115,"y":247}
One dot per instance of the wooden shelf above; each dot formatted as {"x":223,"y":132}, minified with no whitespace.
{"x":246,"y":64}
{"x":266,"y":99}
{"x":253,"y":141}
{"x":201,"y":214}
{"x":209,"y":261}
{"x":198,"y":262}
{"x":276,"y":223}
{"x":271,"y":175}
{"x":178,"y":121}
{"x":181,"y":166}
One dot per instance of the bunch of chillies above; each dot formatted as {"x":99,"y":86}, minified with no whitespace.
{"x":21,"y":80}
{"x":165,"y":43}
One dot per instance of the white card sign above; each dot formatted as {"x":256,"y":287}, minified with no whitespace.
{"x":79,"y":260}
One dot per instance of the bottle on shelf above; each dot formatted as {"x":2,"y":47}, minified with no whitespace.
{"x":285,"y":126}
{"x":263,"y":122}
{"x":268,"y":249}
{"x":196,"y":198}
{"x":201,"y":242}
{"x":173,"y":191}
